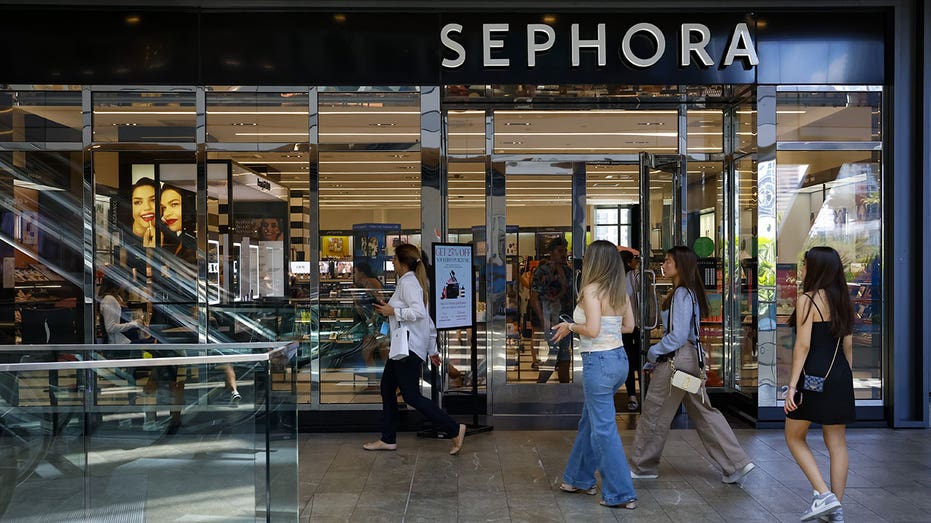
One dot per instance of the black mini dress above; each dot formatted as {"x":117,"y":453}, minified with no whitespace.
{"x":835,"y":404}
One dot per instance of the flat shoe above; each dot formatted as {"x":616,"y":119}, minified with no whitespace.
{"x":380,"y":445}
{"x":457,"y":441}
{"x":629,"y":505}
{"x":565,"y":487}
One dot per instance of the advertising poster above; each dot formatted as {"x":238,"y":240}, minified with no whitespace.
{"x":453,"y":294}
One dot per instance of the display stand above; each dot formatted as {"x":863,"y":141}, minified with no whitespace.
{"x":453,"y":307}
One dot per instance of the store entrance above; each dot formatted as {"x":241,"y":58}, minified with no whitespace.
{"x":552,"y":207}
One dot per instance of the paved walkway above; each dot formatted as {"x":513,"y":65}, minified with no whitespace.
{"x":515,"y":475}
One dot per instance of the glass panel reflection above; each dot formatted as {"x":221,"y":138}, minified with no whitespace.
{"x":537,"y":260}
{"x":257,"y":117}
{"x":466,"y":218}
{"x":144,"y":117}
{"x":369,"y":200}
{"x":41,"y":216}
{"x":40,"y":116}
{"x":833,"y":198}
{"x":844,"y":116}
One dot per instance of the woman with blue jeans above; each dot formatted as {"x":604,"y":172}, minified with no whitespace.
{"x":601,"y":315}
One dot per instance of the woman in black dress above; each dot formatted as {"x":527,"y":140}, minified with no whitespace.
{"x":823,"y":319}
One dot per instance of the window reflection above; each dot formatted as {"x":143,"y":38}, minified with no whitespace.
{"x":833,"y":198}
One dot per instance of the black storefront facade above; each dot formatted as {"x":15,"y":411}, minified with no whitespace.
{"x":765,"y":129}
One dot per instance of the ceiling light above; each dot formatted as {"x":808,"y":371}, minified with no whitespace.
{"x":383,"y":124}
{"x":651,"y":123}
{"x":609,"y":177}
{"x":517,"y":123}
{"x":241,"y":124}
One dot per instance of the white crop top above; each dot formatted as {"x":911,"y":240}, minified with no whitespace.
{"x":608,"y":338}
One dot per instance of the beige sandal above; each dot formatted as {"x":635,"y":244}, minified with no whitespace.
{"x":565,"y":487}
{"x":380,"y":445}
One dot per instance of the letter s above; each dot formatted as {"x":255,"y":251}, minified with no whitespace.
{"x":452,"y":45}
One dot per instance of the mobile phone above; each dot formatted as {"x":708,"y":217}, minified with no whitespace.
{"x":566,"y":318}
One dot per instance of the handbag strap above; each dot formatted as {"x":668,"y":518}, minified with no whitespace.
{"x":694,"y":324}
{"x":833,"y":359}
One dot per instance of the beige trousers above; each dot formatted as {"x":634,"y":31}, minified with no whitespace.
{"x":659,"y":408}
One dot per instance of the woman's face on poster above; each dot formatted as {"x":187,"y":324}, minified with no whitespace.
{"x":171,"y":209}
{"x":269,"y":230}
{"x":143,"y":202}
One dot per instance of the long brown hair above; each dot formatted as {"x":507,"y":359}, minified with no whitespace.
{"x":687,"y":267}
{"x":602,"y":266}
{"x":824,"y":270}
{"x":409,"y":256}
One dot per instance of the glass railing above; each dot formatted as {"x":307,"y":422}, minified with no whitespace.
{"x":153,"y":432}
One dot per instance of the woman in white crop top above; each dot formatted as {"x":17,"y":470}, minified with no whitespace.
{"x":601,"y":315}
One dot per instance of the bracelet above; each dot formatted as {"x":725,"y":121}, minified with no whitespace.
{"x":570,"y":328}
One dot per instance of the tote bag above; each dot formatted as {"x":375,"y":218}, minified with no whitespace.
{"x":400,"y":341}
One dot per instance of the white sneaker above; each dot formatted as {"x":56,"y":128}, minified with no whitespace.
{"x":822,"y":505}
{"x":737,"y":476}
{"x":643,"y":476}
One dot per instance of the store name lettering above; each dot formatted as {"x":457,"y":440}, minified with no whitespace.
{"x":693,"y":38}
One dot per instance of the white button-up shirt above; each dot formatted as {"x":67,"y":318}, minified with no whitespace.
{"x":410,"y":308}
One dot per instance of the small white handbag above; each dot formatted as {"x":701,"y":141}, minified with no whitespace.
{"x":400,"y":341}
{"x":685,"y":381}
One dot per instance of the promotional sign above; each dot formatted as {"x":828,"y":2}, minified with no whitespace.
{"x":453,"y":292}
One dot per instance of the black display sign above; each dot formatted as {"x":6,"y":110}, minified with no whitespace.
{"x":202,"y":47}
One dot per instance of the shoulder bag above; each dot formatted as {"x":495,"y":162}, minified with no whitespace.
{"x":681,"y":379}
{"x":812,"y":383}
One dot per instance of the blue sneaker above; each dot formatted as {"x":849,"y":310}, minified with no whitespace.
{"x":821,"y":505}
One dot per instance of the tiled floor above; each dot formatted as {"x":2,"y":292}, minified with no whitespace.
{"x":514,"y":476}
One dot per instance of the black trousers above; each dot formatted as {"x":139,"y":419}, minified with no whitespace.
{"x":404,"y":374}
{"x":632,"y":348}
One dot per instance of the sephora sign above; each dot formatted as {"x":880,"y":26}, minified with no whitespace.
{"x":693,"y":38}
{"x":609,"y":48}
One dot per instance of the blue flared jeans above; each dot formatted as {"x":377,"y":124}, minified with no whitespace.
{"x":598,"y":444}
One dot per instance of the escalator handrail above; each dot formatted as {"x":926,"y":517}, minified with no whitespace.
{"x":276,"y":350}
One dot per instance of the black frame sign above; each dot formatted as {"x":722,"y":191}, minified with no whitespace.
{"x":453,"y":300}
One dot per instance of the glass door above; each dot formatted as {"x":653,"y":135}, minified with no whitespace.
{"x":530,"y":265}
{"x":661,"y":227}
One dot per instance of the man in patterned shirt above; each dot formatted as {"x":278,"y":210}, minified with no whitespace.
{"x":551,"y":295}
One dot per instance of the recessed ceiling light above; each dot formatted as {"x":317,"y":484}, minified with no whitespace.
{"x":383,"y":124}
{"x":651,"y":123}
{"x":610,"y":176}
{"x":243,"y":124}
{"x":517,"y":123}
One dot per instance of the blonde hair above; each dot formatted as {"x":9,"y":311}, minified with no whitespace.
{"x":409,"y":256}
{"x":602,"y":266}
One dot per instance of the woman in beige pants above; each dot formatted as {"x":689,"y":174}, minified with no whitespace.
{"x":682,"y":311}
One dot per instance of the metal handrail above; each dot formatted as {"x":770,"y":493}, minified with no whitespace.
{"x":152,"y":362}
{"x":118,"y":347}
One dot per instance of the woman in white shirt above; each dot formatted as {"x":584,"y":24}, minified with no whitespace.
{"x":114,"y":314}
{"x":408,"y":305}
{"x":601,"y":315}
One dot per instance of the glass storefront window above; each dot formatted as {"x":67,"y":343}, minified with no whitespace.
{"x":40,"y":116}
{"x":833,"y":198}
{"x":144,"y":117}
{"x":826,"y":116}
{"x":257,"y":117}
{"x":369,"y":201}
{"x":466,"y":180}
{"x":42,"y":297}
{"x":465,"y":132}
{"x":530,"y":256}
{"x":705,"y":130}
{"x":585,"y":131}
